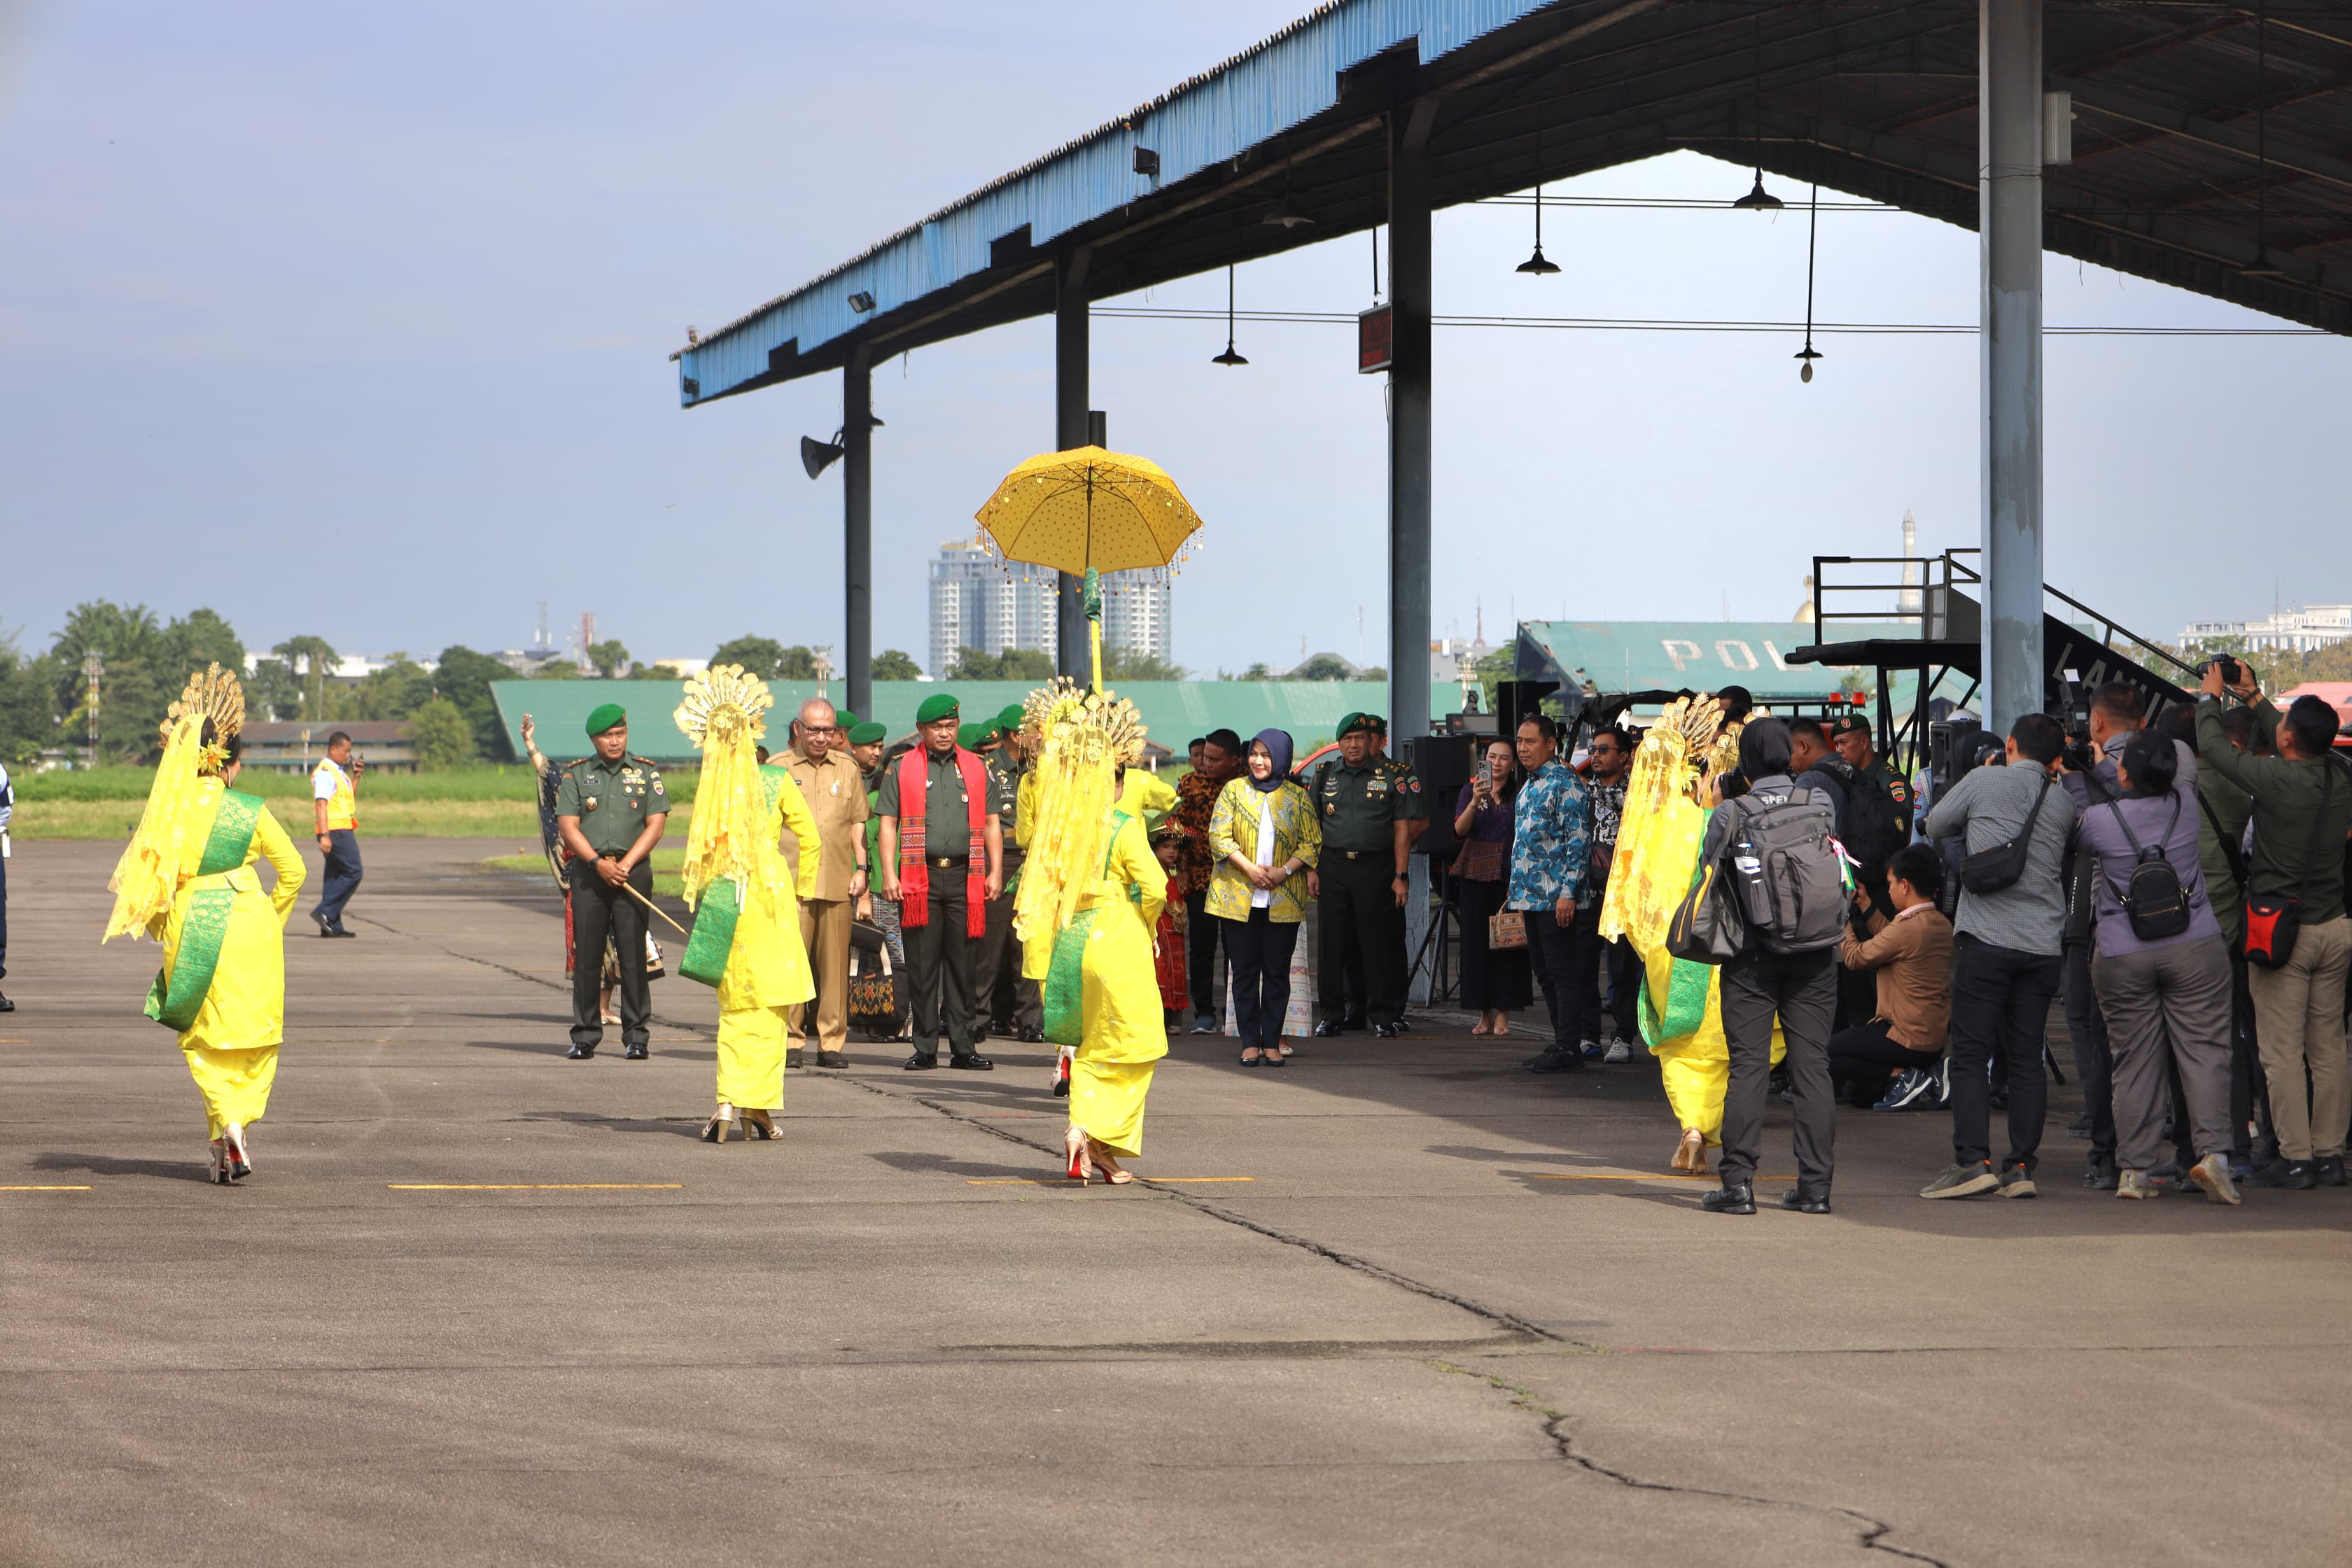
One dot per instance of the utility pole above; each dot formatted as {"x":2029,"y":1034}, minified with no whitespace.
{"x":92,"y":669}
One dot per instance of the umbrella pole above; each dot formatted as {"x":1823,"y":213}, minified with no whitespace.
{"x":1091,"y":596}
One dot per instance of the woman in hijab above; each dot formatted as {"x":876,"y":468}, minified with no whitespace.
{"x":1263,"y":833}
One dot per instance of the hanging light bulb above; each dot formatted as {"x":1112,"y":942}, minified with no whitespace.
{"x":1536,"y":266}
{"x":1805,"y":373}
{"x":1229,"y":357}
{"x":1807,"y":355}
{"x":1759,"y":199}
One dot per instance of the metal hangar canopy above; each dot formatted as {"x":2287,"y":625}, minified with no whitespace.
{"x":2205,"y":152}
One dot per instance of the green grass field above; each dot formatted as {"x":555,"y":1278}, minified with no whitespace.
{"x":483,"y":802}
{"x":667,"y":881}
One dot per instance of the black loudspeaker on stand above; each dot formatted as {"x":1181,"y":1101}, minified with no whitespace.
{"x":1443,"y":764}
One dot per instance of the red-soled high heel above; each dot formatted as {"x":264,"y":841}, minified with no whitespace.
{"x":1082,"y":1171}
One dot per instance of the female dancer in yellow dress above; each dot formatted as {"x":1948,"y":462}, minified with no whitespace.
{"x":746,"y":923}
{"x":1668,"y":799}
{"x":187,"y":879}
{"x":1088,"y":905}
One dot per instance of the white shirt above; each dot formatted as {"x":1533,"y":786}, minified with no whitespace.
{"x":1263,"y":898}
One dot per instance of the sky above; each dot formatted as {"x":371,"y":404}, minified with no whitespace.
{"x":355,"y":321}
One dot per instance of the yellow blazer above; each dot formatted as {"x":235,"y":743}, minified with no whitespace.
{"x":1297,"y":833}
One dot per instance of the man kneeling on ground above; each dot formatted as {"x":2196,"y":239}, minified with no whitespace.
{"x":1911,"y":957}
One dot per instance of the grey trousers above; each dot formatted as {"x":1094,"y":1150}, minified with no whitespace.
{"x":2175,"y":997}
{"x":1800,"y":989}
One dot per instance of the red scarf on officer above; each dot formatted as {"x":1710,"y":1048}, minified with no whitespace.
{"x":914,"y":870}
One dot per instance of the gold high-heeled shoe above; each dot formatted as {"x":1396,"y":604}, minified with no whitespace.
{"x":1076,"y":1143}
{"x":722,"y":1123}
{"x":240,"y":1159}
{"x":1690,"y":1155}
{"x":759,"y":1124}
{"x":219,"y":1170}
{"x":1100,"y":1157}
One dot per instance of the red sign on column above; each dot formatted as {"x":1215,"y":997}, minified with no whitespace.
{"x":1375,"y":339}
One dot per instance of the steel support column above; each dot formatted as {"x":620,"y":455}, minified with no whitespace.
{"x":1070,"y":355}
{"x":858,"y":533}
{"x":2009,"y":196}
{"x":1409,"y":396}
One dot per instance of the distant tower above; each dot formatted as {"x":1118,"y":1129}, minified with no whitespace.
{"x":587,"y":638}
{"x":541,"y":644}
{"x":1909,"y":602}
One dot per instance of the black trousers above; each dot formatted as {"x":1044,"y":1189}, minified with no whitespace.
{"x":2086,"y":1027}
{"x":1362,"y":924}
{"x":1800,"y":989}
{"x":1200,"y":933}
{"x":939,"y":961}
{"x":601,"y":913}
{"x":1565,"y":962}
{"x":2248,"y":1088}
{"x":1005,"y":996}
{"x":1867,"y":1057}
{"x":1260,"y":948}
{"x":1625,"y":989}
{"x":2000,"y":1006}
{"x":1491,"y":977}
{"x":4,"y":925}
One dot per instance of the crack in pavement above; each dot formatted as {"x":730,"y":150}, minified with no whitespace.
{"x":1872,"y":1532}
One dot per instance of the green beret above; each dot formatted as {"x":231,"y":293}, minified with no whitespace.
{"x":1376,"y":724}
{"x":938,"y":706}
{"x":1011,"y":717}
{"x":845,"y":718}
{"x":607,"y":715}
{"x":868,"y":734}
{"x":1351,"y":723}
{"x":970,"y":736}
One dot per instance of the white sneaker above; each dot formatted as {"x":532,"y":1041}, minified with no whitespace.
{"x":1619,"y":1051}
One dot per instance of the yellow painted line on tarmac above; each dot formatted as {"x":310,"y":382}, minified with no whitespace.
{"x":1636,"y":1176}
{"x":43,"y":1189}
{"x":533,"y":1187}
{"x":1062,"y":1181}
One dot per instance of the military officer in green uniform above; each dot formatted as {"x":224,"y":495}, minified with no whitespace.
{"x":937,"y":887}
{"x":1009,"y":1004}
{"x":1368,"y":806}
{"x":609,"y":812}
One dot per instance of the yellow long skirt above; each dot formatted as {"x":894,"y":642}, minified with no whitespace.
{"x":1125,"y":1032}
{"x":767,"y":973}
{"x":232,"y":1045}
{"x":1696,"y":1067}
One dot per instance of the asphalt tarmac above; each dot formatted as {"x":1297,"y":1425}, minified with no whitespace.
{"x":1395,"y":1302}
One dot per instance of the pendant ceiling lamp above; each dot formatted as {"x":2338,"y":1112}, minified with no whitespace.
{"x":1229,"y":357}
{"x":1807,"y":355}
{"x":1536,"y":266}
{"x":1759,"y":199}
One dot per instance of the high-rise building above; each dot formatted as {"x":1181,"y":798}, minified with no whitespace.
{"x":977,"y":603}
{"x":1137,"y":607}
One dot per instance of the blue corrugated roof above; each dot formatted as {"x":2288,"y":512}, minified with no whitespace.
{"x":1218,"y":115}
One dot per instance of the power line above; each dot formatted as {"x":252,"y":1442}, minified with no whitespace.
{"x":1669,"y":324}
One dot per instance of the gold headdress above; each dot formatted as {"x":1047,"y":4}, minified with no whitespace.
{"x":216,"y":695}
{"x":732,"y":836}
{"x":1078,"y":737}
{"x":178,"y":817}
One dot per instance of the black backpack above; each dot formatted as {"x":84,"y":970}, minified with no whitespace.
{"x":1783,"y":870}
{"x":2152,"y":895}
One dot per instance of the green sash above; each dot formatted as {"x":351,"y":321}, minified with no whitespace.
{"x":177,"y":996}
{"x":1687,"y":989}
{"x":712,"y":941}
{"x":1065,"y":988}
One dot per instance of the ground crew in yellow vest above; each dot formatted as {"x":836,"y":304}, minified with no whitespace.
{"x":335,"y":812}
{"x":1009,"y":1004}
{"x":941,"y":852}
{"x":835,"y":787}
{"x":610,"y":809}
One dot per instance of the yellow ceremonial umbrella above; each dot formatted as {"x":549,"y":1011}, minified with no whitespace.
{"x":1087,"y":511}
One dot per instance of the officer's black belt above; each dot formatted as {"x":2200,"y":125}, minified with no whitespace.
{"x":944,"y":861}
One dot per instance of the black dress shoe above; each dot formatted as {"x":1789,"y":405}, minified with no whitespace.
{"x":793,"y":1057}
{"x":1032,"y":1036}
{"x":1330,"y":1028}
{"x":636,"y":1052}
{"x":1389,"y":1031}
{"x":1558,"y":1059}
{"x":973,"y":1062}
{"x":579,"y":1053}
{"x":1798,"y":1201}
{"x":339,"y":931}
{"x":1733,"y":1197}
{"x":6,"y":1005}
{"x":831,"y":1059}
{"x":921,"y":1061}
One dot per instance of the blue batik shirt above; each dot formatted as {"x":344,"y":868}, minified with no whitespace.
{"x":1552,"y":834}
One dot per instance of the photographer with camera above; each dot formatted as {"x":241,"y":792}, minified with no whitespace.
{"x":2297,"y":937}
{"x":2016,"y":823}
{"x":2118,"y":711}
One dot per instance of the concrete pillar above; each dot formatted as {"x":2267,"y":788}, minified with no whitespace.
{"x":1070,"y":354}
{"x":2009,"y":196}
{"x":1409,"y":484}
{"x":858,"y":533}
